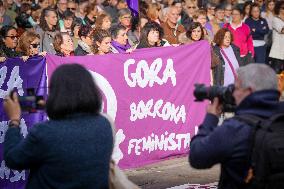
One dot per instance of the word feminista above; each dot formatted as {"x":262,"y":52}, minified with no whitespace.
{"x":165,"y":142}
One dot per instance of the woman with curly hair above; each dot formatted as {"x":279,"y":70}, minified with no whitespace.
{"x":63,"y":44}
{"x":102,"y":42}
{"x":224,"y":73}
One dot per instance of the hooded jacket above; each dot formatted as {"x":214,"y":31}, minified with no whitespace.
{"x":228,"y":144}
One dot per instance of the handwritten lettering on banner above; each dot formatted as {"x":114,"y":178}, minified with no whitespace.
{"x":19,"y":75}
{"x":149,"y":94}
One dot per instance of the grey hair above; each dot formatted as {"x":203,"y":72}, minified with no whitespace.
{"x":258,"y":77}
{"x":123,"y":12}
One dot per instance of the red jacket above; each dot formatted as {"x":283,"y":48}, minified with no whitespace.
{"x":242,"y":38}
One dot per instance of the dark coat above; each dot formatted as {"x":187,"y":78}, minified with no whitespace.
{"x":228,"y":143}
{"x":9,"y":53}
{"x":260,"y":26}
{"x":70,"y":153}
{"x":219,"y":69}
{"x":79,"y":51}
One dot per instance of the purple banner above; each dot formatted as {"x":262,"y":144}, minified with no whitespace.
{"x":149,"y":95}
{"x":19,"y":75}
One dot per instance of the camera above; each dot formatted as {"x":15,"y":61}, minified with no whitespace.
{"x":224,"y":94}
{"x":31,"y":102}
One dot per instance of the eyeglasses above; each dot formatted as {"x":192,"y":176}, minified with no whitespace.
{"x":35,"y":45}
{"x":13,"y":37}
{"x":73,"y":9}
{"x":126,"y":17}
{"x":191,"y":7}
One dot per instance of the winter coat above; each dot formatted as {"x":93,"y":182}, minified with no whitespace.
{"x":228,"y":144}
{"x":68,"y":153}
{"x":277,"y":50}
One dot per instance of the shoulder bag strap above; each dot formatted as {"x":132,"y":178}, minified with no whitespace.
{"x":229,"y":62}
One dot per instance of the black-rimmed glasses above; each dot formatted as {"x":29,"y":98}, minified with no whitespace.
{"x":12,"y":37}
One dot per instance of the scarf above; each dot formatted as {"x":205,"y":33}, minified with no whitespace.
{"x":120,"y":48}
{"x":85,"y":47}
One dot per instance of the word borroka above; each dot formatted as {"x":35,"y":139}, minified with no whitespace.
{"x":165,"y":142}
{"x":161,"y":109}
{"x":150,"y":73}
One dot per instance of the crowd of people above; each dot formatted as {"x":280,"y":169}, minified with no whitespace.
{"x":239,"y":32}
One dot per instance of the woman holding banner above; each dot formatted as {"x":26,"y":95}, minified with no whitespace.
{"x":71,"y":150}
{"x":9,"y":40}
{"x":29,"y":45}
{"x":63,"y":44}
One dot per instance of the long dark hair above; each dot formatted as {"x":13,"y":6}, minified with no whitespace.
{"x":146,"y":30}
{"x":72,"y":90}
{"x":43,"y":24}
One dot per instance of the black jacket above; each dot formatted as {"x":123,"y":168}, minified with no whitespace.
{"x":79,"y":51}
{"x":219,"y":69}
{"x":8,"y":53}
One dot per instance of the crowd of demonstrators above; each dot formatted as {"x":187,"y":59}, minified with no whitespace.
{"x":257,"y":28}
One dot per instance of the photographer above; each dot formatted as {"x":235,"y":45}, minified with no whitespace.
{"x":255,"y":93}
{"x":72,"y":149}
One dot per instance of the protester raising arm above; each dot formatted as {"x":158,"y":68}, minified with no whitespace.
{"x":29,"y":45}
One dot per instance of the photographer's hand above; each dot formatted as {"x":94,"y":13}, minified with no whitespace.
{"x":215,"y":107}
{"x":12,"y":107}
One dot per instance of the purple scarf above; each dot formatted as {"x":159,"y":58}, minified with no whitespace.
{"x":120,"y":48}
